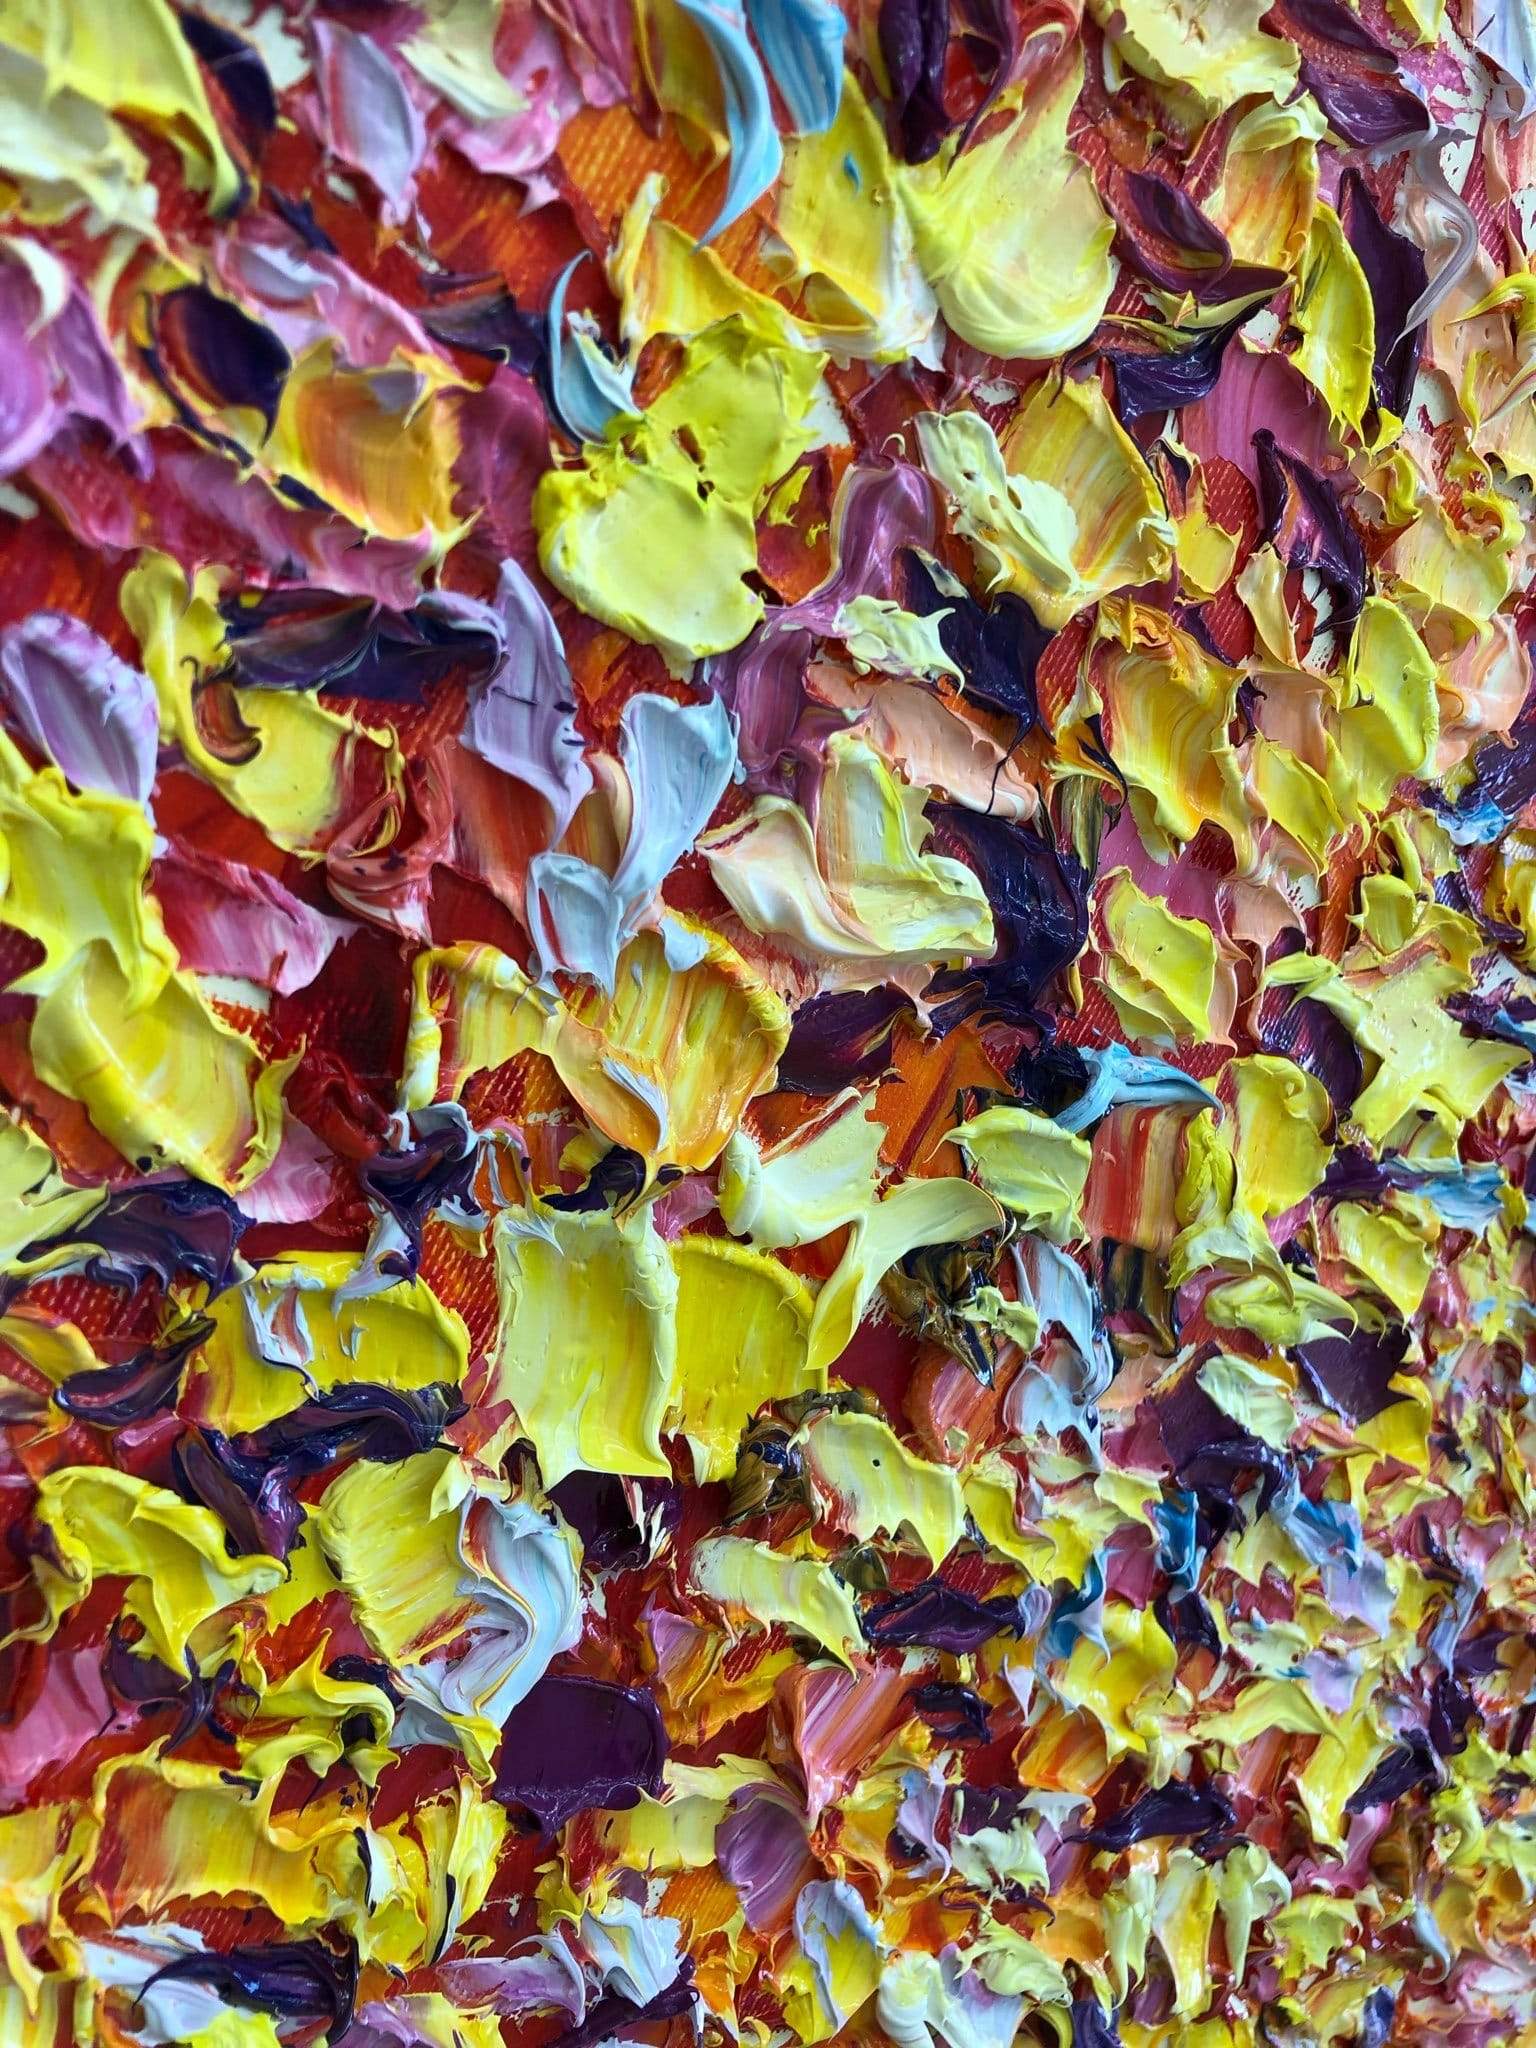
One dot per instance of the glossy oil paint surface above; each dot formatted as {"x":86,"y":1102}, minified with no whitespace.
{"x":768,"y":920}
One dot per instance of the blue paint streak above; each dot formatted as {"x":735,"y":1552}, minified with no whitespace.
{"x":756,"y":153}
{"x":803,"y":43}
{"x":589,"y":391}
{"x":1117,"y":1076}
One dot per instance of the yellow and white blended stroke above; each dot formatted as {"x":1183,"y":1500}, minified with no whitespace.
{"x":768,"y":1040}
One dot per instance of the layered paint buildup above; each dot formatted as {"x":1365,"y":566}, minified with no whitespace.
{"x":768,"y":905}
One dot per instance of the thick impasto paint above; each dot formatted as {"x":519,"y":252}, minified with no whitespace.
{"x":768,"y":907}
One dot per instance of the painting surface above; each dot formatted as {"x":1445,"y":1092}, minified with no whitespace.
{"x":767,"y":1000}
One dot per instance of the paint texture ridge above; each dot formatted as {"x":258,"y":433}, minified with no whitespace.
{"x":767,"y":1024}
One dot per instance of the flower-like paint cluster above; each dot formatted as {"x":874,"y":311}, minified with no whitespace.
{"x":768,"y":905}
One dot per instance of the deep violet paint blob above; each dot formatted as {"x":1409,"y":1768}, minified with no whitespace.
{"x":579,"y":1744}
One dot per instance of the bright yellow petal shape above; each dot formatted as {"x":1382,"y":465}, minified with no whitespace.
{"x":131,"y":59}
{"x":1182,"y":1922}
{"x":1280,"y":1308}
{"x":377,"y":445}
{"x":1064,"y":513}
{"x":1214,"y":48}
{"x":472,"y":1009}
{"x":823,"y":1175}
{"x":1011,"y":233}
{"x":1461,"y":568}
{"x":173,"y":1829}
{"x":917,"y":1213}
{"x":743,"y":1324}
{"x":305,"y":1715}
{"x":1066,"y":438}
{"x":167,"y":1081}
{"x":588,"y":1346}
{"x":848,"y":242}
{"x":297,"y":1309}
{"x":41,"y":1849}
{"x":292,"y":770}
{"x":74,"y":869}
{"x":1030,"y":1164}
{"x":764,"y":1586}
{"x":117,"y":1027}
{"x":870,"y":1484}
{"x":681,"y":486}
{"x":62,"y":152}
{"x":1390,"y":1255}
{"x":669,"y":1061}
{"x":110,"y":1524}
{"x":1159,"y":970}
{"x":1124,"y":1686}
{"x":1510,"y":891}
{"x":395,"y":1548}
{"x":428,"y":1872}
{"x":1395,"y":1011}
{"x":1267,"y":193}
{"x":1334,"y":310}
{"x":665,"y":1065}
{"x":667,"y":283}
{"x":1388,"y":724}
{"x":1207,"y":551}
{"x":1294,"y":797}
{"x":1169,"y":705}
{"x":1279,"y":1148}
{"x":35,"y":1199}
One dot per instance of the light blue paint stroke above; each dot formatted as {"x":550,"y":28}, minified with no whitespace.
{"x":1464,"y":1197}
{"x":1117,"y":1076}
{"x":1076,"y":1614}
{"x":756,"y":152}
{"x":803,"y":43}
{"x":590,"y":392}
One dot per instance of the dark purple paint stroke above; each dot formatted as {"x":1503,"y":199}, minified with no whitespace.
{"x":996,"y":648}
{"x":1163,"y":233}
{"x":914,"y":41}
{"x":576,"y":1744}
{"x":1039,"y":898}
{"x":144,"y":1683}
{"x":232,"y":360}
{"x":1309,"y":1033}
{"x":413,"y":1184}
{"x":113,"y":1396}
{"x":162,"y":1229}
{"x":954,"y":1712}
{"x":1310,"y":529}
{"x":1214,"y":1458}
{"x":1148,"y":381}
{"x":291,"y":1980}
{"x":939,"y":1617}
{"x":880,"y":509}
{"x":240,"y":74}
{"x":597,"y":1506}
{"x":1354,"y":77}
{"x":1351,"y":1372}
{"x":1396,"y":273}
{"x":1168,"y":1810}
{"x":1410,"y":1763}
{"x":617,"y":1179}
{"x":1092,"y":2026}
{"x":248,"y":1479}
{"x":313,"y":639}
{"x":840,"y":1041}
{"x":612,"y":2014}
{"x":480,"y":316}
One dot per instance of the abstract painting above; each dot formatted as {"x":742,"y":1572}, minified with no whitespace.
{"x":768,"y":1023}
